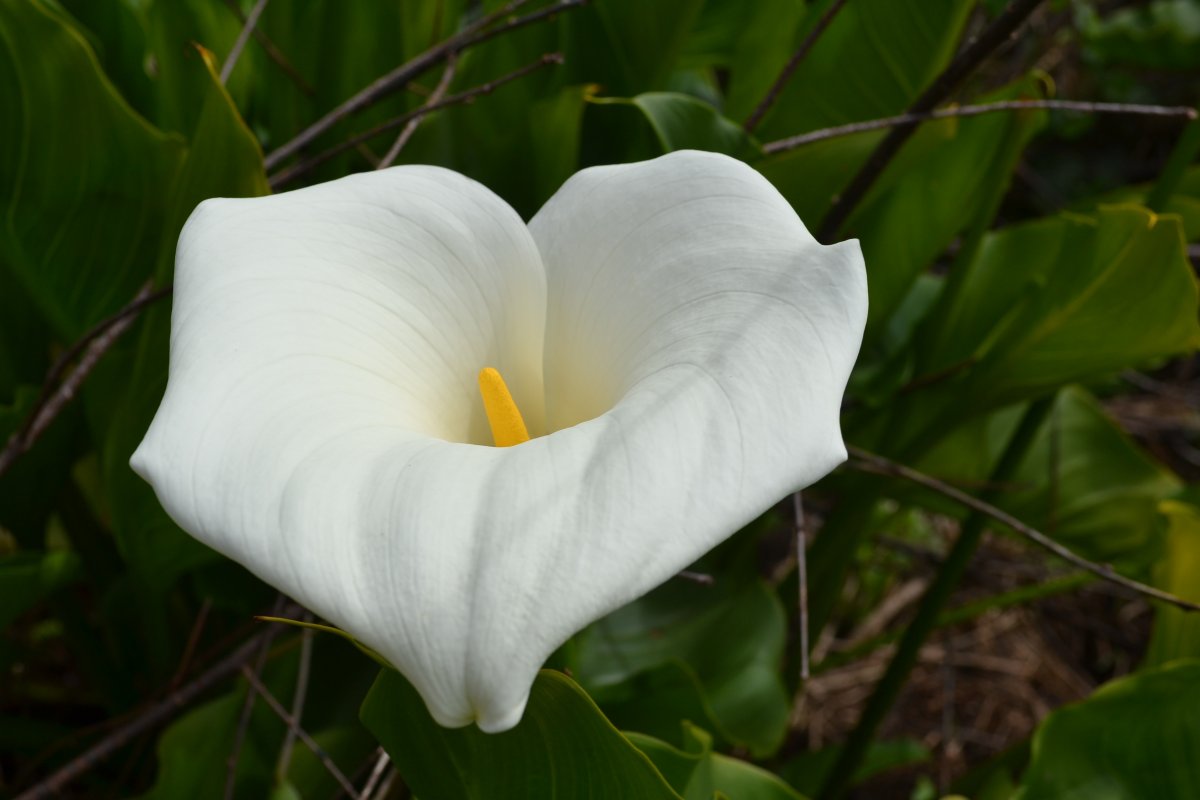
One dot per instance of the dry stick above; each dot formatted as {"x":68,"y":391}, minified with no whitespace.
{"x":89,"y":349}
{"x":298,"y":699}
{"x":802,"y":578}
{"x":473,"y":34}
{"x":871,"y":462}
{"x":189,"y":649}
{"x":151,"y":718}
{"x":386,"y":789}
{"x":1086,"y":107}
{"x":239,"y":735}
{"x":435,"y":97}
{"x":701,"y":578}
{"x":789,"y":69}
{"x":243,"y":37}
{"x":273,"y":52}
{"x":290,"y":721}
{"x":959,"y":68}
{"x":468,"y":96}
{"x":376,"y":774}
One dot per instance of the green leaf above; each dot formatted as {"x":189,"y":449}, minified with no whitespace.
{"x":1052,"y":302}
{"x":956,"y":187}
{"x":194,"y":751}
{"x":82,"y":213}
{"x":563,"y":748}
{"x":1184,"y":200}
{"x":697,"y":773}
{"x":1133,"y":739}
{"x":627,"y":46}
{"x":26,"y":579}
{"x":1084,"y":481}
{"x":681,"y":122}
{"x":751,"y":41}
{"x":807,"y":772}
{"x":1177,"y":632}
{"x":872,"y":61}
{"x":730,"y":636}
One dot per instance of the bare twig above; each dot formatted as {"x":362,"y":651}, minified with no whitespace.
{"x":257,"y":685}
{"x":702,"y":578}
{"x":870,"y":462}
{"x":435,"y":97}
{"x":189,"y":649}
{"x":1001,"y":28}
{"x":298,"y":698}
{"x":376,"y":774}
{"x":151,"y":718}
{"x":1085,"y":107}
{"x":240,"y":43}
{"x":385,"y":790}
{"x":802,"y":578}
{"x":473,"y":34}
{"x":464,"y":97}
{"x":239,"y":735}
{"x":90,"y":348}
{"x":793,"y":63}
{"x":273,"y":52}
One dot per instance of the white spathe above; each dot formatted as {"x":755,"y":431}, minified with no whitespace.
{"x":678,"y":343}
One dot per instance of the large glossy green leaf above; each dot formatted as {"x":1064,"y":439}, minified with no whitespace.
{"x":1177,"y":632}
{"x":1184,"y":201}
{"x":957,"y":187}
{"x":563,"y":748}
{"x":1083,"y":481}
{"x":948,"y":176}
{"x":1134,"y":739}
{"x":730,"y":636}
{"x":872,"y":61}
{"x":681,"y":122}
{"x":628,"y":46}
{"x":751,"y":42}
{"x":82,"y":214}
{"x":697,"y":773}
{"x":1051,"y":302}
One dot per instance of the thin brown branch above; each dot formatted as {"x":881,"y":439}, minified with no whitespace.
{"x":462,"y":98}
{"x":870,"y":462}
{"x":239,"y":735}
{"x":298,"y":699}
{"x":152,"y":717}
{"x":1082,"y":106}
{"x":702,"y":578}
{"x":473,"y":34}
{"x":793,"y":63}
{"x":240,"y":43}
{"x":435,"y":97}
{"x":60,"y":387}
{"x":376,"y":773}
{"x":802,"y":579}
{"x":273,"y":52}
{"x":189,"y":649}
{"x":257,"y":685}
{"x":961,"y":66}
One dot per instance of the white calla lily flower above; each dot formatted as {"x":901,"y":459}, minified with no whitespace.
{"x":675,"y":340}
